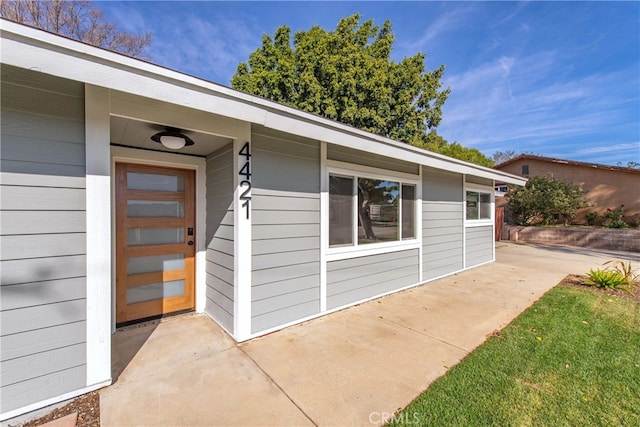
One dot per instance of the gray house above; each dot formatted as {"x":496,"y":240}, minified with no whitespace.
{"x":130,"y":191}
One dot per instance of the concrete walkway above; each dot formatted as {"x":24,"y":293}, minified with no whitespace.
{"x":353,"y":367}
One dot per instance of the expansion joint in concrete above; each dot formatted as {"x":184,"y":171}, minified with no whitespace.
{"x":273,"y":381}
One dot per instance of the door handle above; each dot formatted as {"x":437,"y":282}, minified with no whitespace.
{"x":190,"y":243}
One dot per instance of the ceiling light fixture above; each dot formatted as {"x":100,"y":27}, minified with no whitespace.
{"x":172,"y":138}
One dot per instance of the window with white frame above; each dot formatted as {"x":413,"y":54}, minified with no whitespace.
{"x":365,"y":210}
{"x":479,"y":205}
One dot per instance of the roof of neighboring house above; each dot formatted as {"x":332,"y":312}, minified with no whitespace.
{"x":567,"y":162}
{"x":30,"y":48}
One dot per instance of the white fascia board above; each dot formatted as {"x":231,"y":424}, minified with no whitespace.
{"x":350,"y":137}
{"x":30,"y":48}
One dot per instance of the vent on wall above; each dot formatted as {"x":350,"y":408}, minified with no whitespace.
{"x":525,"y":170}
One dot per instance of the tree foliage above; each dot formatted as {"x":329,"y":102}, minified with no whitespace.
{"x":348,"y":75}
{"x":545,"y":201}
{"x":76,"y":19}
{"x":454,"y":149}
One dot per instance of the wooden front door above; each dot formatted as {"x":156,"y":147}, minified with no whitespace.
{"x":155,"y":241}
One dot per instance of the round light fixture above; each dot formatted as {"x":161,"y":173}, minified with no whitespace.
{"x":172,"y":138}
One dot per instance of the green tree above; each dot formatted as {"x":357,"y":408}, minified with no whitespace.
{"x":545,"y":200}
{"x":76,"y":19}
{"x":440,"y":145}
{"x":348,"y":75}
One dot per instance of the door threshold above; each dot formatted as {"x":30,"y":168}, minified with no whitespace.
{"x":152,"y":319}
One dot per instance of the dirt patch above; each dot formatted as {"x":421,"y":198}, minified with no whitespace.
{"x":87,"y":406}
{"x":577,"y":281}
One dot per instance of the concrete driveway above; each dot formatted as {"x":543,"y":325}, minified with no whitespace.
{"x":353,"y":367}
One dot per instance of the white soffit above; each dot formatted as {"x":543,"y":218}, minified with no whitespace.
{"x":26,"y":47}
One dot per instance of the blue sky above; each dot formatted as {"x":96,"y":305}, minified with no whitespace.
{"x":558,"y":79}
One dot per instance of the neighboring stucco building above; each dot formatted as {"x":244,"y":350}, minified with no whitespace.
{"x":607,"y":187}
{"x":257,"y":224}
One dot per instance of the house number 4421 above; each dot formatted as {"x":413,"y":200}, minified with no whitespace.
{"x":245,"y":176}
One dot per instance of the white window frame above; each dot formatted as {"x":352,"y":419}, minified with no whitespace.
{"x":348,"y":170}
{"x":485,"y":221}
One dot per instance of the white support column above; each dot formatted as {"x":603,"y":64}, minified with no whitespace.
{"x":493,"y":217}
{"x":98,"y":226}
{"x":242,"y":213}
{"x":464,"y":221}
{"x":324,"y":225}
{"x":418,"y":223}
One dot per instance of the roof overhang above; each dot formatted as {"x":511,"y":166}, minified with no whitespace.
{"x":29,"y":48}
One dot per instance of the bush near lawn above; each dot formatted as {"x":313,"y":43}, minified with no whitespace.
{"x":573,"y":358}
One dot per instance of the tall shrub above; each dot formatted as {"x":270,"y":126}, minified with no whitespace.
{"x":544,"y":201}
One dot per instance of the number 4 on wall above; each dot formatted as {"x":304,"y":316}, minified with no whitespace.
{"x":245,"y":171}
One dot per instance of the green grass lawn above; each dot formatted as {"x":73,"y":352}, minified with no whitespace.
{"x":573,"y":358}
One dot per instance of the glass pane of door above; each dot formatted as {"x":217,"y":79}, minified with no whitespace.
{"x":155,"y":209}
{"x":154,"y":236}
{"x":155,"y":263}
{"x":154,"y":291}
{"x":154,"y":181}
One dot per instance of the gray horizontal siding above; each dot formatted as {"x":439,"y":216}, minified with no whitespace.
{"x":442,"y":239}
{"x":38,"y":293}
{"x":442,"y":223}
{"x":220,"y":237}
{"x":43,"y":238}
{"x":356,"y":279}
{"x":39,"y":364}
{"x":42,"y":269}
{"x":33,"y":390}
{"x":479,"y":245}
{"x":26,"y":222}
{"x":42,"y":340}
{"x":349,"y":155}
{"x":285,"y":229}
{"x":441,"y":186}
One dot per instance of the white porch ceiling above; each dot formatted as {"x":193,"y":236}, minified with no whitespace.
{"x":137,"y":134}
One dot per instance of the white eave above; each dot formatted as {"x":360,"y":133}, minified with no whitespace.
{"x":29,"y":48}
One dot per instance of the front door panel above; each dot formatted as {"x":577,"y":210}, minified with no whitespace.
{"x":155,"y":241}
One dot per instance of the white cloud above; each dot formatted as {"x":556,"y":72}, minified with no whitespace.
{"x":208,"y":49}
{"x":608,"y":148}
{"x":524,"y":104}
{"x":446,"y":22}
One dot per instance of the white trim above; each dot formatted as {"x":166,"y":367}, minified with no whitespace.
{"x":369,"y":249}
{"x":464,"y":221}
{"x":493,"y":224}
{"x":354,"y":250}
{"x":419,"y":207}
{"x":324,"y":225}
{"x":242,"y":248}
{"x":477,"y":223}
{"x":98,"y":228}
{"x":51,"y":401}
{"x":29,"y":48}
{"x":171,"y":160}
{"x":484,"y":222}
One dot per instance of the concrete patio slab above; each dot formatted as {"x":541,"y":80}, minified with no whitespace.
{"x":189,"y":372}
{"x":353,"y":367}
